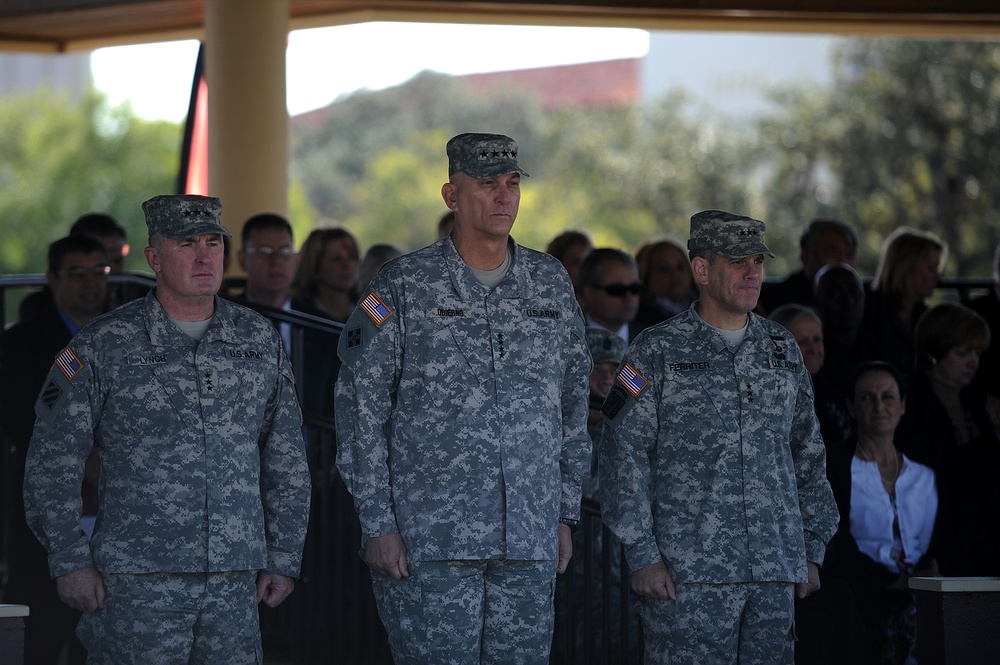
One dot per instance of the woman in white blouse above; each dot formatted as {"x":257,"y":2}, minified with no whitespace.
{"x":888,"y":505}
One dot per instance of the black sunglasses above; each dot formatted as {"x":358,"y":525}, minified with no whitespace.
{"x":620,"y":290}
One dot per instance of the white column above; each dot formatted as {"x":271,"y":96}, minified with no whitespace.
{"x":247,"y":109}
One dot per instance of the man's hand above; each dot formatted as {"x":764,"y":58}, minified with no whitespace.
{"x":654,"y":581}
{"x":82,"y":589}
{"x":387,"y":555}
{"x":565,"y":548}
{"x":812,"y":586}
{"x":273,"y":588}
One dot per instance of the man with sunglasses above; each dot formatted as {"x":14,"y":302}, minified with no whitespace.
{"x":461,"y":411}
{"x":712,"y":467}
{"x":610,"y":280}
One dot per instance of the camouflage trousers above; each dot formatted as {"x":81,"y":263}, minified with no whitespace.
{"x":168,"y":618}
{"x":716,"y":624}
{"x":469,"y":612}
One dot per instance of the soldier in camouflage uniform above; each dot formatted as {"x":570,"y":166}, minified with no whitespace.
{"x":204,"y":490}
{"x":712,"y":468}
{"x":462,"y":424}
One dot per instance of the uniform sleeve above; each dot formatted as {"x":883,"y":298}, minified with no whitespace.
{"x":369,"y":352}
{"x":574,"y":462}
{"x":626,"y":448}
{"x":816,"y":503}
{"x":66,"y":411}
{"x":285,"y":479}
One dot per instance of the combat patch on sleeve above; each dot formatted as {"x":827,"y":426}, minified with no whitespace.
{"x":375,"y":308}
{"x":54,"y":397}
{"x":618,"y":402}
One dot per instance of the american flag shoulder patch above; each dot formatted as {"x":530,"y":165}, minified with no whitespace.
{"x":375,"y":308}
{"x":69,"y":363}
{"x":634,"y":382}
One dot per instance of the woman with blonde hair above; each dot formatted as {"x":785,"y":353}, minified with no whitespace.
{"x":908,"y":271}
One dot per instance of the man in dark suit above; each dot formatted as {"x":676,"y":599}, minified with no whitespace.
{"x":823,"y":241}
{"x":609,"y":282}
{"x":78,"y":280}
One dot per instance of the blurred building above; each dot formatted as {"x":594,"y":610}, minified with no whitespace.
{"x":67,"y":73}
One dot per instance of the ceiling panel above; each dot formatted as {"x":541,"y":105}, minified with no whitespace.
{"x":64,"y":25}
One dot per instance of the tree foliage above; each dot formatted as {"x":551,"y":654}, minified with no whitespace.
{"x":59,"y":160}
{"x":906,"y":134}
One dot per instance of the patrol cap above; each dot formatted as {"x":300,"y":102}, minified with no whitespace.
{"x":727,"y":234}
{"x":605,"y":346}
{"x":178,"y":216}
{"x":483,"y":155}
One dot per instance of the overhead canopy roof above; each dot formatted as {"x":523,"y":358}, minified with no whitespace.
{"x":67,"y":25}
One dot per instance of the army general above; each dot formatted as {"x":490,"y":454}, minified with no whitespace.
{"x":462,"y":423}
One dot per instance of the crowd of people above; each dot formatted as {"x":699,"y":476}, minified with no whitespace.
{"x":798,"y":446}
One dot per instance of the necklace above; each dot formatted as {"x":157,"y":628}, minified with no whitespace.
{"x":888,"y":484}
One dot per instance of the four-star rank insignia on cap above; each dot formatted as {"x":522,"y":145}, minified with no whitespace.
{"x":375,"y":308}
{"x":632,"y":380}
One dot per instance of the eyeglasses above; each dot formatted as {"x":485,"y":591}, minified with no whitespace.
{"x":620,"y":290}
{"x":79,"y":274}
{"x":267,"y":252}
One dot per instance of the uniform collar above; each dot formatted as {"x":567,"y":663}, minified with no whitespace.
{"x":163,"y":332}
{"x":755,"y":330}
{"x":515,"y":285}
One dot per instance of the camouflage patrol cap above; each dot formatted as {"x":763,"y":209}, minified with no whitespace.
{"x":605,"y":346}
{"x":184,"y":216}
{"x":727,"y":234}
{"x":483,"y":155}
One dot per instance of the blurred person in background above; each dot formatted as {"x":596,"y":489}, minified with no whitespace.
{"x":667,"y":282}
{"x":78,"y":279}
{"x":908,"y":271}
{"x":327,"y":278}
{"x":610,"y":286}
{"x":840,"y":304}
{"x":969,"y":514}
{"x":571,"y":247}
{"x":375,"y":258}
{"x":822,"y":242}
{"x":943,"y":414}
{"x":269,"y":259}
{"x":111,"y":234}
{"x":807,"y":328}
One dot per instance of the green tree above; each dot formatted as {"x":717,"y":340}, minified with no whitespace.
{"x":59,"y":160}
{"x":908,"y":134}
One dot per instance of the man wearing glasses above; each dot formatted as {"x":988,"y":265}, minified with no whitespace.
{"x":611,"y":288}
{"x":269,"y":259}
{"x":78,"y":281}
